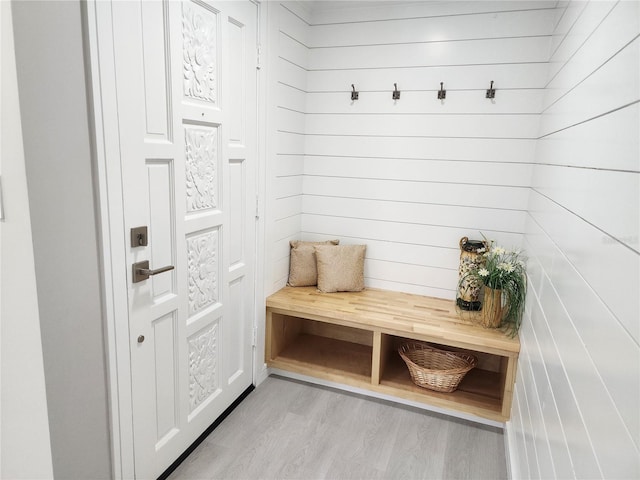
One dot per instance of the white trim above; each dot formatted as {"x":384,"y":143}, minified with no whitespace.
{"x":259,"y":365}
{"x":382,"y":396}
{"x":510,"y":451}
{"x":107,"y":162}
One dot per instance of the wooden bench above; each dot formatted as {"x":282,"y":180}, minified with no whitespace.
{"x":352,"y":339}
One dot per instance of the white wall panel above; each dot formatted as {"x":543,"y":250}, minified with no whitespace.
{"x":614,"y":85}
{"x":435,"y":29}
{"x":590,"y":16}
{"x":515,"y":437}
{"x":460,"y":172}
{"x":289,"y":186}
{"x":544,"y":462}
{"x":287,"y":227}
{"x":291,"y":98}
{"x":425,"y":101}
{"x":290,"y":143}
{"x":299,"y":9}
{"x":287,"y":165}
{"x":582,"y":239}
{"x":607,"y":433}
{"x":293,"y":51}
{"x":463,"y":52}
{"x":569,"y":15}
{"x":289,"y":82}
{"x":280,"y":273}
{"x":614,"y":30}
{"x":471,"y":149}
{"x":590,"y":314}
{"x":598,"y":258}
{"x":470,"y":218}
{"x":291,"y":74}
{"x":418,"y":191}
{"x":514,"y":76}
{"x":288,"y":206}
{"x":409,"y":253}
{"x":412,"y":274}
{"x":550,"y":420}
{"x":580,"y":448}
{"x":424,"y":125}
{"x":326,"y":14}
{"x":441,"y":236}
{"x":291,"y":121}
{"x":592,"y":195}
{"x":524,"y":374}
{"x":607,"y":142}
{"x":293,"y":21}
{"x":418,"y":171}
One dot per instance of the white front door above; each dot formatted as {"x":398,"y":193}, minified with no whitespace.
{"x":185,"y":82}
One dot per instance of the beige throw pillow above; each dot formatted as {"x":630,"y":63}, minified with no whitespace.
{"x":340,"y":268}
{"x":302,"y":266}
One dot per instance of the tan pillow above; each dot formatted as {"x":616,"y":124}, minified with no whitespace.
{"x":340,"y":268}
{"x":302,"y":267}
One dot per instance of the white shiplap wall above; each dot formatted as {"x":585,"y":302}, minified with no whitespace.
{"x":409,"y":178}
{"x":577,"y":401}
{"x":290,"y":59}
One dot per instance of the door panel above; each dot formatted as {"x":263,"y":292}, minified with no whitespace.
{"x":186,"y":80}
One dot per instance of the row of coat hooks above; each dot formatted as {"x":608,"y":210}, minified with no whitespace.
{"x":442,"y":93}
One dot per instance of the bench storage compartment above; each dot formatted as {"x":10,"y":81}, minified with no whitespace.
{"x":352,"y":338}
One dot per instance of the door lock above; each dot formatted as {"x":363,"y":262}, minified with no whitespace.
{"x":139,"y":237}
{"x":141,"y":271}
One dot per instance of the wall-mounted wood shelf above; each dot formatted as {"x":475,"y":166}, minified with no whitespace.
{"x":353,"y":338}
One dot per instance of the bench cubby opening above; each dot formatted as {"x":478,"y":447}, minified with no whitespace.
{"x":482,"y":386}
{"x":312,"y":347}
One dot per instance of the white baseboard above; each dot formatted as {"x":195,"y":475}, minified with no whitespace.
{"x":510,"y":452}
{"x":382,"y":396}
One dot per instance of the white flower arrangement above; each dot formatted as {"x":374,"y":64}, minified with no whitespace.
{"x":503,"y":270}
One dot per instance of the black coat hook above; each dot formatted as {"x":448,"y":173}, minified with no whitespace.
{"x":354,"y":94}
{"x":396,"y":93}
{"x":442,"y":93}
{"x":491,"y":93}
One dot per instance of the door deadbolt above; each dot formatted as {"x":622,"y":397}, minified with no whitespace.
{"x":141,"y":271}
{"x":139,"y":237}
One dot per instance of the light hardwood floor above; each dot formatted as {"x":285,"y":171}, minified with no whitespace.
{"x":292,"y":430}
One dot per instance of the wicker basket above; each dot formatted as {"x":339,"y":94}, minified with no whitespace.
{"x":436,"y":369}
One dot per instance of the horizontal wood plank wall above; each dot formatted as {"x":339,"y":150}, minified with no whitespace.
{"x":576,"y":411}
{"x":409,"y":178}
{"x":287,"y":164}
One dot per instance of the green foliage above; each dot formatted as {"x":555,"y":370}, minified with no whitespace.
{"x":504,"y":270}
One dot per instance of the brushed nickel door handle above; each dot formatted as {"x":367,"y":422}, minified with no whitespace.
{"x":141,"y":271}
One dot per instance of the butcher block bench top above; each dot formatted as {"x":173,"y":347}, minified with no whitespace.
{"x":396,"y":313}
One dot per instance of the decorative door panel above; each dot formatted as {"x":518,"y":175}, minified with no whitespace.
{"x":185,"y":75}
{"x":201,"y":54}
{"x":203,"y":257}
{"x":202,"y":164}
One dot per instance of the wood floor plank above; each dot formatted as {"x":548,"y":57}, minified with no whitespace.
{"x":288,"y":429}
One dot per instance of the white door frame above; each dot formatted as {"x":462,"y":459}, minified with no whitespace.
{"x":108,"y":178}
